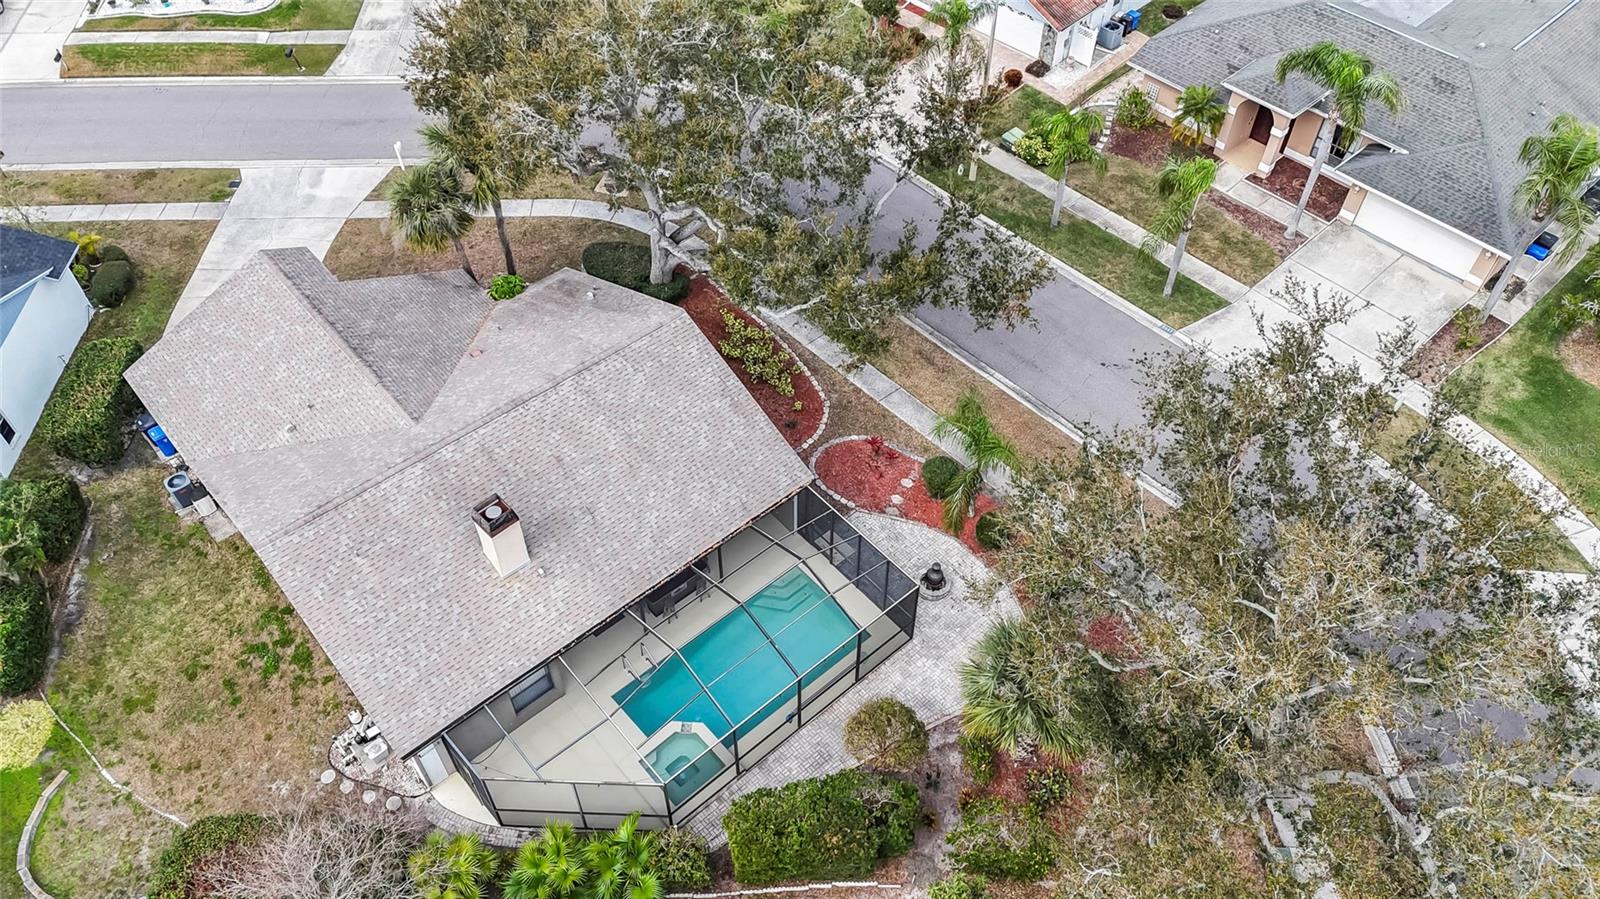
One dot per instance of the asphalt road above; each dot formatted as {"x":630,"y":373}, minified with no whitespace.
{"x":1076,"y":358}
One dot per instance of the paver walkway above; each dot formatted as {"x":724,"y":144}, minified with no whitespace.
{"x":209,"y":37}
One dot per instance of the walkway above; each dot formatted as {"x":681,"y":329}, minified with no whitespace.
{"x":208,"y":37}
{"x":379,"y":41}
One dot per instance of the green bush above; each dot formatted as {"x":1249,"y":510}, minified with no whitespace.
{"x":83,"y":419}
{"x":24,"y":634}
{"x":886,"y":734}
{"x":1047,"y":787}
{"x":960,"y":886}
{"x":113,"y":253}
{"x":977,"y":757}
{"x":758,"y":352}
{"x":826,"y":828}
{"x":25,"y":728}
{"x":939,"y":476}
{"x":628,"y":264}
{"x":1134,"y":109}
{"x":111,"y":284}
{"x":991,"y":531}
{"x":81,"y":272}
{"x":1003,"y":843}
{"x":196,"y":844}
{"x":1032,"y":149}
{"x":681,"y":860}
{"x":52,"y":508}
{"x":504,"y":287}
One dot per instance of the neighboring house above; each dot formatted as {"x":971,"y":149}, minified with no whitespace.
{"x":1436,"y":180}
{"x":552,"y":544}
{"x":43,"y":312}
{"x":1053,"y":30}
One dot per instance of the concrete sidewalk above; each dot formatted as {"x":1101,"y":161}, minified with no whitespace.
{"x":31,"y":31}
{"x":208,"y":37}
{"x":379,"y":41}
{"x":126,"y":212}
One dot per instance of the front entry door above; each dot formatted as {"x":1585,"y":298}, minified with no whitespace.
{"x":1261,"y":128}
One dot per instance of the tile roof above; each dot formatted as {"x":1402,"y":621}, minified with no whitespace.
{"x":603,"y":417}
{"x":1468,"y":106}
{"x":24,"y":255}
{"x":1062,"y":13}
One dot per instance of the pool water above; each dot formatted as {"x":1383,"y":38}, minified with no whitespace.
{"x":760,"y":682}
{"x":682,"y":763}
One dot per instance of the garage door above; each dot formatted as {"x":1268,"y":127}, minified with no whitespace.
{"x":1015,"y":30}
{"x":1430,"y":242}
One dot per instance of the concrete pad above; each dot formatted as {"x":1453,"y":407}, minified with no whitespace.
{"x":31,"y":57}
{"x":552,"y":207}
{"x":1367,"y":326}
{"x":86,"y":213}
{"x":1347,"y":257}
{"x":177,"y":211}
{"x":1280,"y":209}
{"x":517,"y":208}
{"x":910,"y":410}
{"x":1413,"y":290}
{"x":1249,"y":194}
{"x":118,"y":212}
{"x":209,"y":211}
{"x":1228,"y":176}
{"x":1234,"y":329}
{"x":873,"y":382}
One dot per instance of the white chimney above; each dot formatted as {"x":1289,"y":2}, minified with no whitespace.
{"x":500,"y":531}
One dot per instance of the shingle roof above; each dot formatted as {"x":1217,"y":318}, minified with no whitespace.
{"x":1468,"y":107}
{"x":603,"y":417}
{"x":24,"y":255}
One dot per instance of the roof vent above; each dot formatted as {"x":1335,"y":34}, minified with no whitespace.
{"x":500,"y":532}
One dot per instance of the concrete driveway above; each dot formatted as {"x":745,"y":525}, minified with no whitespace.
{"x":1387,"y":289}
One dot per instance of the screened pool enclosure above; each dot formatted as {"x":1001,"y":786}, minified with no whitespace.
{"x":672,"y":698}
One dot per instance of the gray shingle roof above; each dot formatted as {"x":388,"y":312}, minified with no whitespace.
{"x":24,"y":255}
{"x":1467,"y":110}
{"x":603,"y":417}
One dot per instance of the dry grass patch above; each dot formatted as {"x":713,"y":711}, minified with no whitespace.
{"x":542,"y":186}
{"x":119,"y":186}
{"x":851,"y":411}
{"x":365,"y":248}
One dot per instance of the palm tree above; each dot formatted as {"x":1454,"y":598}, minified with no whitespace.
{"x":549,"y":867}
{"x":1352,"y":84}
{"x":620,"y":863}
{"x":1069,"y":134}
{"x":955,"y":17}
{"x":487,"y":171}
{"x":1199,"y":115}
{"x":969,"y":425}
{"x":1559,"y":164}
{"x":452,"y":867}
{"x":1182,"y":185}
{"x":430,"y":211}
{"x":1001,"y":701}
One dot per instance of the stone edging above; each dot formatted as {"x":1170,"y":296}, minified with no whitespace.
{"x":25,"y":844}
{"x":796,"y":888}
{"x":812,"y":464}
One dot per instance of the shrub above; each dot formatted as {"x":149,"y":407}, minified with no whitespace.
{"x":1577,"y":311}
{"x":51,"y":507}
{"x":24,"y":634}
{"x":628,"y":264}
{"x":83,"y":419}
{"x":197,"y":844}
{"x":25,"y":728}
{"x":757,"y":350}
{"x":991,"y":531}
{"x":1134,"y":109}
{"x":681,"y":860}
{"x":939,"y":476}
{"x":113,"y":253}
{"x":1012,"y":77}
{"x":1037,"y":68}
{"x":88,"y":244}
{"x":880,"y":9}
{"x":977,"y":757}
{"x":111,"y":284}
{"x":1047,"y":787}
{"x":81,"y":273}
{"x":826,"y":828}
{"x":1032,"y":149}
{"x":1469,"y":327}
{"x":504,"y":287}
{"x":885,"y":733}
{"x":960,"y":886}
{"x":995,"y":841}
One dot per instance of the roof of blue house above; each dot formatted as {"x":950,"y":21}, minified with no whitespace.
{"x":25,"y":255}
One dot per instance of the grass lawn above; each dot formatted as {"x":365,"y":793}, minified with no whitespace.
{"x":1019,"y":109}
{"x":19,"y":790}
{"x":1088,"y":248}
{"x":291,"y":15}
{"x":1537,"y":405}
{"x":189,"y":677}
{"x":1463,"y":473}
{"x":119,"y":186}
{"x":1154,"y":22}
{"x":107,"y":60}
{"x":1129,"y":189}
{"x":364,"y":248}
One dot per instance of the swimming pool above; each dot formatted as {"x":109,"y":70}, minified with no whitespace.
{"x":744,"y":672}
{"x":682,"y":763}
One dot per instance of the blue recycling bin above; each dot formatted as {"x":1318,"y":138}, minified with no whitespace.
{"x":1133,"y":18}
{"x":1542,"y":245}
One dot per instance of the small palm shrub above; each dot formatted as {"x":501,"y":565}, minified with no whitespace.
{"x":628,"y":265}
{"x":969,"y":425}
{"x":1134,"y":109}
{"x":452,"y":867}
{"x":1047,"y":787}
{"x":25,"y":728}
{"x":758,"y":352}
{"x":111,"y":284}
{"x":939,"y":476}
{"x":83,"y":419}
{"x":682,"y":860}
{"x":886,"y":734}
{"x":1469,"y":327}
{"x":504,"y":287}
{"x":24,"y":633}
{"x":199,"y":843}
{"x":825,"y":828}
{"x":560,"y":865}
{"x":960,"y":886}
{"x":999,"y":842}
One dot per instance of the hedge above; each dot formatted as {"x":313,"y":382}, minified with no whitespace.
{"x":197,"y":844}
{"x":682,"y":860}
{"x":24,"y":634}
{"x":53,"y":504}
{"x":939,"y":476}
{"x":826,"y":828}
{"x":83,"y":419}
{"x":628,"y":264}
{"x":1000,"y":842}
{"x":112,"y":282}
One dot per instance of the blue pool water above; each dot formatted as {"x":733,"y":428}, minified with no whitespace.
{"x":744,"y":685}
{"x":684,"y":765}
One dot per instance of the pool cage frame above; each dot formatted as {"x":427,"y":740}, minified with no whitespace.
{"x":598,"y":804}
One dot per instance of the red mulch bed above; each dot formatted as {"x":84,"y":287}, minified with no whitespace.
{"x":705,"y":304}
{"x":1260,"y":224}
{"x":1288,"y":179}
{"x":1436,"y":359}
{"x":854,"y":471}
{"x":1150,"y":146}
